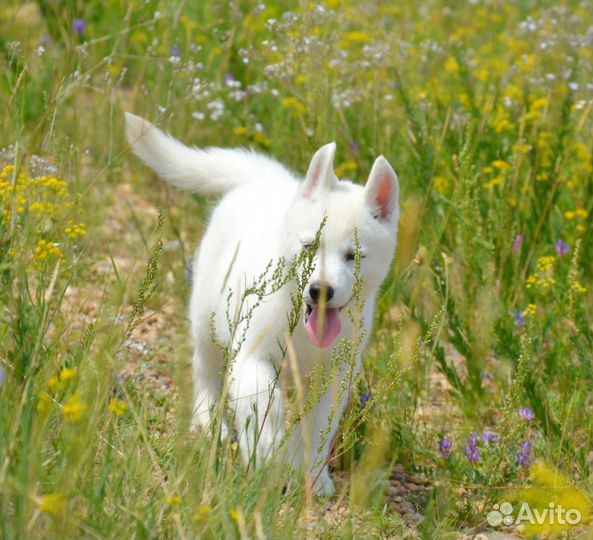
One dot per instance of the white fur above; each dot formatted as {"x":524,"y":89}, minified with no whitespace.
{"x":267,"y":213}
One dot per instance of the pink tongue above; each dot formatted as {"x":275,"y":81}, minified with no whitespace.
{"x":323,"y":333}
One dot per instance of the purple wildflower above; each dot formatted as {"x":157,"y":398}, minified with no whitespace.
{"x":354,"y":147}
{"x":517,"y":244}
{"x":78,"y":26}
{"x":524,"y":457}
{"x":445,"y":447}
{"x":229,"y":79}
{"x":472,"y":452}
{"x":520,"y":319}
{"x":562,"y":249}
{"x":365,"y":398}
{"x":2,"y":375}
{"x":175,"y":52}
{"x":489,"y":437}
{"x":526,"y":414}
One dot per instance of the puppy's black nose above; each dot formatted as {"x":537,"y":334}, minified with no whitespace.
{"x":315,"y":290}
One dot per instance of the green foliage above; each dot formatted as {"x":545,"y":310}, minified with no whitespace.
{"x":485,"y":112}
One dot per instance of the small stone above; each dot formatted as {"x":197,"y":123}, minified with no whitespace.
{"x":396,"y":485}
{"x":407,"y":506}
{"x":408,"y":517}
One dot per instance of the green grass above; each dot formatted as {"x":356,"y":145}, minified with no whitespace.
{"x":485,"y":112}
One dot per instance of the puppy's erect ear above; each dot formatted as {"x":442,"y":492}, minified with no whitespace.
{"x":382,"y":191}
{"x":320,"y":175}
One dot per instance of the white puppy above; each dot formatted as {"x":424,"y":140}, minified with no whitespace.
{"x":267,"y":215}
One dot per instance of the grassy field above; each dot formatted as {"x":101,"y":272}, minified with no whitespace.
{"x":477,"y":381}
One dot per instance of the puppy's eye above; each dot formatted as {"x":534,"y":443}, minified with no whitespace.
{"x":351,"y":256}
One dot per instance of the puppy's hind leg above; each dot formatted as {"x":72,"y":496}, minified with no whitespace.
{"x":207,"y":387}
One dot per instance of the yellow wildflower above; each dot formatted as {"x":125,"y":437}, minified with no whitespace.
{"x":451,"y":65}
{"x":301,"y":79}
{"x":7,"y":171}
{"x":530,"y":310}
{"x":496,"y":181}
{"x":522,"y":148}
{"x":531,"y":281}
{"x":114,"y":71}
{"x":441,"y":184}
{"x":539,"y":104}
{"x":38,"y":208}
{"x":118,"y":407}
{"x":578,"y":288}
{"x":513,"y":92}
{"x":73,"y":409}
{"x":75,"y":229}
{"x":545,"y":264}
{"x":356,"y":38}
{"x":67,"y":374}
{"x":482,"y":75}
{"x":174,"y":500}
{"x":501,"y":120}
{"x":53,"y":504}
{"x":235,"y":516}
{"x":295,"y":104}
{"x":345,"y":168}
{"x":241,"y":131}
{"x":44,"y":250}
{"x":59,"y":187}
{"x":262,"y":138}
{"x":500,"y":164}
{"x":202,"y":513}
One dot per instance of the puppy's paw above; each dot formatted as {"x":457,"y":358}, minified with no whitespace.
{"x":324,"y":486}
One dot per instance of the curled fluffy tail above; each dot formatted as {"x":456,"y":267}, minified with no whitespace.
{"x":212,"y":170}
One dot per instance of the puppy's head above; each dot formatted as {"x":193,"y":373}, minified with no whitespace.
{"x":359,"y":222}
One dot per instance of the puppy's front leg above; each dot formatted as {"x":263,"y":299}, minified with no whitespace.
{"x":257,"y":402}
{"x":313,"y":437}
